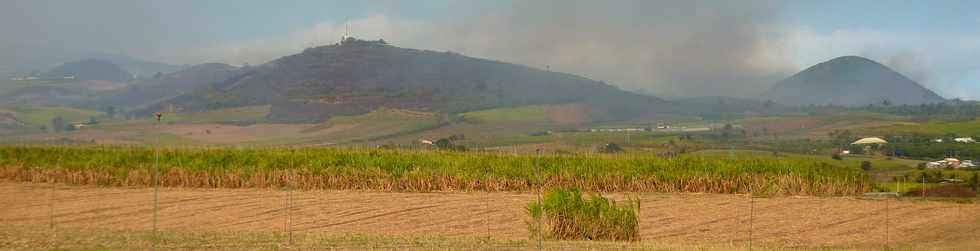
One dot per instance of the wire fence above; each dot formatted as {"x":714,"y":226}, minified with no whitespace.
{"x":54,"y":214}
{"x":286,"y":217}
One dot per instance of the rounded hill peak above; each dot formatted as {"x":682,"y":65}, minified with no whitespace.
{"x":852,"y":61}
{"x":850,"y":81}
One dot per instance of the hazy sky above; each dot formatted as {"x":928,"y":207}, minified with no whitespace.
{"x":669,"y":48}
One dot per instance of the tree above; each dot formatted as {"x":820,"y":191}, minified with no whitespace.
{"x":976,"y":182}
{"x":841,"y":137}
{"x":610,"y":148}
{"x":57,"y":123}
{"x":768,"y":103}
{"x":443,"y":143}
{"x":110,"y":111}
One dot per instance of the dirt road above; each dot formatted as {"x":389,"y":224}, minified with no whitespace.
{"x":687,"y":219}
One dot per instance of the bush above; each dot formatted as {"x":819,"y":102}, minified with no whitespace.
{"x":866,"y":165}
{"x":565,"y":215}
{"x":951,"y":191}
{"x":610,"y":148}
{"x":976,"y":182}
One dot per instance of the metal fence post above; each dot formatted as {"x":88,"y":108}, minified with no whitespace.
{"x":537,"y":174}
{"x":156,"y":183}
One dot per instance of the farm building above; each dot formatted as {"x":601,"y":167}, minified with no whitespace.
{"x":950,"y":163}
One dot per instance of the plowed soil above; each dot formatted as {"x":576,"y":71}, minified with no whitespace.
{"x":678,"y":219}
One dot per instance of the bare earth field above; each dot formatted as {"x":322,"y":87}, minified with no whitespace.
{"x":120,"y":218}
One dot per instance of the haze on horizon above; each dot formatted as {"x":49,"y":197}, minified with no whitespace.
{"x":664,"y":48}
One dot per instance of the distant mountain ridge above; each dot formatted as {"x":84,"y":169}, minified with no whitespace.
{"x":19,"y":59}
{"x":91,"y":69}
{"x":145,"y":92}
{"x":850,"y":81}
{"x":357,"y":76}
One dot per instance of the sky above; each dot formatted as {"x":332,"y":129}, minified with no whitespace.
{"x":666,"y":48}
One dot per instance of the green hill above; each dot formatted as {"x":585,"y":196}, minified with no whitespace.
{"x":356,"y":77}
{"x":850,"y":81}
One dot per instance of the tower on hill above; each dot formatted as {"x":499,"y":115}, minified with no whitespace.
{"x":347,"y":32}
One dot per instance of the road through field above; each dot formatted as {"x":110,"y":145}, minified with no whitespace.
{"x":688,"y":219}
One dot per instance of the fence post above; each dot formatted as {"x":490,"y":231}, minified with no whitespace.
{"x":886,"y":222}
{"x":52,"y":197}
{"x":156,"y":183}
{"x":540,"y":186}
{"x":486,"y":199}
{"x":289,"y":187}
{"x":751,"y":212}
{"x":751,"y":217}
{"x":51,"y":205}
{"x":922,"y":189}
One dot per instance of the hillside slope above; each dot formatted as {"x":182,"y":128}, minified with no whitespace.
{"x":91,"y":69}
{"x":148,"y":91}
{"x":358,"y":76}
{"x":849,"y":81}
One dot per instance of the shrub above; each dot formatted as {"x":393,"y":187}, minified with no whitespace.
{"x":565,"y":215}
{"x":610,"y":148}
{"x":952,"y":191}
{"x":976,"y":182}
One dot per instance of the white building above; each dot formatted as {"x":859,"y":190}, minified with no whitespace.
{"x":965,"y":140}
{"x":950,"y":163}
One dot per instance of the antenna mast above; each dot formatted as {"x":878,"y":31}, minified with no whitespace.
{"x":348,"y":32}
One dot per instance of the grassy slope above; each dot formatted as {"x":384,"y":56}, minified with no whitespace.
{"x":935,"y":127}
{"x":853,"y":161}
{"x":37,"y":116}
{"x":817,"y":126}
{"x":236,"y":114}
{"x":526,"y":114}
{"x":379,"y":124}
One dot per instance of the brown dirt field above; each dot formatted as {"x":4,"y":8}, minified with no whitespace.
{"x":569,"y":114}
{"x":229,"y":134}
{"x":699,"y":220}
{"x":102,"y":85}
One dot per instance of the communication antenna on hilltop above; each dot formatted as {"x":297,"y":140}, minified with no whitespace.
{"x":347,"y":31}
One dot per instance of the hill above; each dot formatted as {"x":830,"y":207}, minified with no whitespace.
{"x":357,"y":76}
{"x":91,"y":69}
{"x":20,"y":59}
{"x":850,"y":81}
{"x":148,"y":91}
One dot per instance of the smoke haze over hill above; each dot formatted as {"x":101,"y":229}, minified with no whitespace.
{"x":667,"y":48}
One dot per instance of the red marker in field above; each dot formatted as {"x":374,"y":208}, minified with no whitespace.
{"x":158,"y":114}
